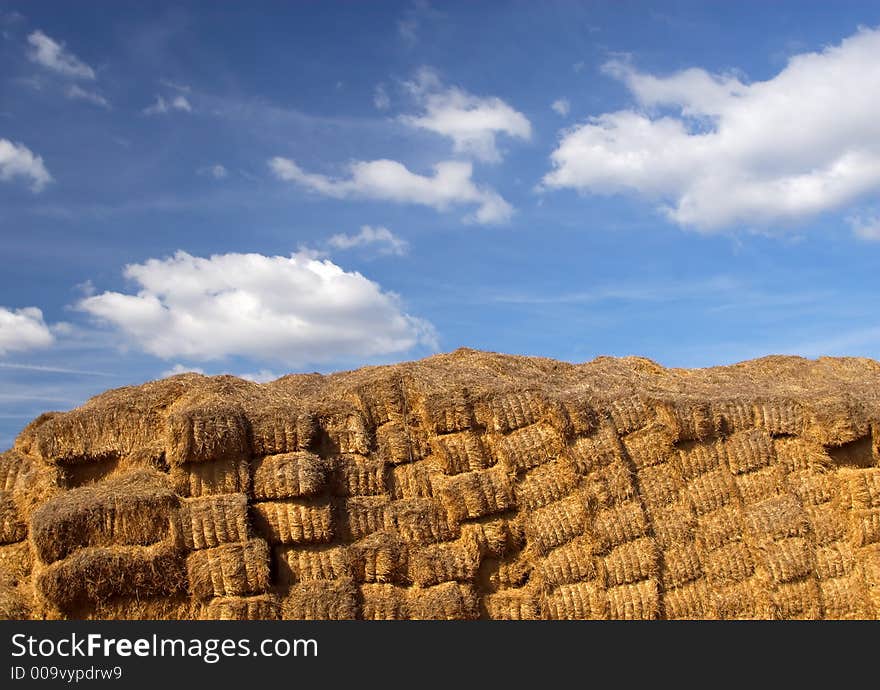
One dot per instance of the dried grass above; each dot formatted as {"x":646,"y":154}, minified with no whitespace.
{"x":229,"y":570}
{"x":210,"y":521}
{"x":290,"y":475}
{"x":321,"y":600}
{"x":294,"y":521}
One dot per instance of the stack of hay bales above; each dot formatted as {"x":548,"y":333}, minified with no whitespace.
{"x":469,"y":485}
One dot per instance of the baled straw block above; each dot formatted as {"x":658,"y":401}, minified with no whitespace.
{"x":449,"y":601}
{"x":631,"y":562}
{"x":384,"y":399}
{"x":277,"y":430}
{"x":508,"y":573}
{"x":460,"y":452}
{"x":381,"y":602}
{"x":674,"y":523}
{"x":729,"y":563}
{"x":693,"y":601}
{"x":569,"y":563}
{"x":681,"y":565}
{"x":229,"y":570}
{"x":419,"y":521}
{"x":360,"y":516}
{"x":843,"y":598}
{"x":210,"y":521}
{"x":530,"y":446}
{"x":544,"y":485}
{"x":750,"y":450}
{"x":512,"y":605}
{"x":477,"y":494}
{"x":289,"y":475}
{"x":787,"y":559}
{"x":611,"y":484}
{"x":95,"y":574}
{"x":614,"y":526}
{"x":300,"y":564}
{"x":780,"y":417}
{"x":16,"y":563}
{"x":697,"y":459}
{"x":15,"y":604}
{"x":399,"y":442}
{"x":195,"y":479}
{"x":649,"y":446}
{"x":756,"y":486}
{"x":206,"y":433}
{"x":557,"y":523}
{"x":12,"y":527}
{"x":834,"y":561}
{"x":687,"y":420}
{"x":719,"y":527}
{"x":172,"y":607}
{"x":796,"y":600}
{"x":137,"y":508}
{"x":730,"y":416}
{"x":829,"y":522}
{"x":776,"y":517}
{"x":345,"y":432}
{"x":380,"y":557}
{"x":814,"y":488}
{"x":629,"y":414}
{"x":590,"y":453}
{"x":447,"y":412}
{"x":506,"y":412}
{"x":411,"y":480}
{"x":745,"y":600}
{"x":864,"y":487}
{"x":800,"y":454}
{"x":294,"y":521}
{"x":321,"y":600}
{"x":261,"y":607}
{"x":712,"y":490}
{"x":660,"y":485}
{"x":582,"y":416}
{"x":639,"y":601}
{"x":577,"y":601}
{"x":13,"y":465}
{"x":456,"y":561}
{"x":865,"y":526}
{"x":355,"y":475}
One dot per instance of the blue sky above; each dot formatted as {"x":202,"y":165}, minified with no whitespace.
{"x":259,"y":188}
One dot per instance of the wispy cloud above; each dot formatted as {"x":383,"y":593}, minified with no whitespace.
{"x":54,"y":56}
{"x":52,"y":370}
{"x":162,"y":106}
{"x":77,"y":93}
{"x":385,"y":240}
{"x":561,"y":107}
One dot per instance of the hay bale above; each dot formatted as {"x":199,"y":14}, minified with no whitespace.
{"x":95,"y":574}
{"x":712,"y":490}
{"x":321,"y":600}
{"x":476,"y":494}
{"x":750,"y":450}
{"x":205,"y":433}
{"x":569,"y":563}
{"x":229,"y":570}
{"x":355,"y":475}
{"x":828,"y":522}
{"x":814,"y":488}
{"x":865,"y":526}
{"x":500,"y":574}
{"x":231,"y":476}
{"x":673,"y":524}
{"x":719,"y":527}
{"x":634,"y":602}
{"x":659,"y":485}
{"x":383,"y":399}
{"x":13,"y":465}
{"x":731,"y":562}
{"x":800,"y":454}
{"x":730,"y":416}
{"x":776,"y":517}
{"x":780,"y":417}
{"x":687,"y":420}
{"x":399,"y":442}
{"x":289,"y":475}
{"x":611,"y":484}
{"x":277,"y":430}
{"x":360,"y":516}
{"x":210,"y":521}
{"x":411,"y":480}
{"x":12,"y":527}
{"x":16,"y":563}
{"x":529,"y":447}
{"x":577,"y":601}
{"x":590,"y":453}
{"x":294,"y":521}
{"x":629,"y":414}
{"x":343,"y":432}
{"x":631,"y":562}
{"x":382,"y":602}
{"x":762,"y":484}
{"x":447,"y":412}
{"x":618,"y":525}
{"x":650,"y":446}
{"x":582,"y":415}
{"x":843,"y":598}
{"x":14,"y":605}
{"x":680,"y":566}
{"x":698,"y":459}
{"x":796,"y":600}
{"x":155,"y":608}
{"x":557,"y":523}
{"x":456,"y":561}
{"x":460,"y":452}
{"x":513,"y":605}
{"x":864,"y":488}
{"x":380,"y":558}
{"x":507,"y":412}
{"x":296,"y":564}
{"x":135,"y":509}
{"x":693,"y":601}
{"x":419,"y":521}
{"x":741,"y":601}
{"x":834,"y":561}
{"x":545,"y":485}
{"x":449,"y":601}
{"x":261,"y":607}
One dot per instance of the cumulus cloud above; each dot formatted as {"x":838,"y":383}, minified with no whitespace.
{"x":714,"y":151}
{"x":54,"y":56}
{"x":182,"y":369}
{"x":387,"y":180}
{"x":77,"y":93}
{"x":294,"y":310}
{"x":866,"y":227}
{"x":17,"y":160}
{"x":380,"y":98}
{"x":162,"y":106}
{"x":217,"y":171}
{"x":386,"y":241}
{"x":23,"y":329}
{"x":561,"y":106}
{"x":472,"y":122}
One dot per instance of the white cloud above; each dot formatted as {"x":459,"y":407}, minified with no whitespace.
{"x":217,"y":171}
{"x":185,"y":88}
{"x":54,"y":56}
{"x":380,"y":98}
{"x":182,"y":369}
{"x":470,"y":121}
{"x":294,"y":310}
{"x":17,"y":160}
{"x":161,"y":106}
{"x":866,"y":227}
{"x":388,"y":242}
{"x":261,"y":376}
{"x":23,"y":329}
{"x":388,"y":180}
{"x":76,"y":93}
{"x":715,"y":152}
{"x":561,"y":106}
